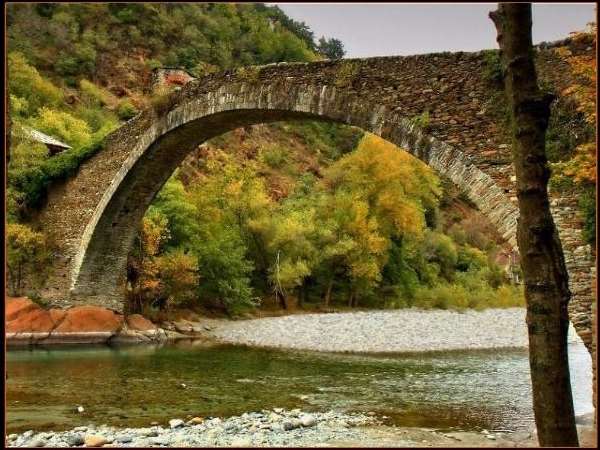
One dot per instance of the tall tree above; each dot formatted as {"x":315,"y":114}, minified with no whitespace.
{"x":545,"y":275}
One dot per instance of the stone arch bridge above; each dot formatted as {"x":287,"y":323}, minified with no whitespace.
{"x":93,"y":216}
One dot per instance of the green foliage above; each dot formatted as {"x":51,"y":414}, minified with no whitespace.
{"x":421,"y":121}
{"x":93,"y":95}
{"x":28,"y":89}
{"x":331,"y":48}
{"x":32,"y":183}
{"x":225,"y":272}
{"x":63,"y":126}
{"x":274,"y":156}
{"x":587,"y":204}
{"x":249,"y":74}
{"x":126,"y":110}
{"x":27,"y":258}
{"x":492,"y":69}
{"x":345,"y":74}
{"x":469,"y":292}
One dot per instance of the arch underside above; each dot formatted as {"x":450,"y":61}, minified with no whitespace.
{"x":98,"y":275}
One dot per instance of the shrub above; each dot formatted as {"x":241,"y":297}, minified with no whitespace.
{"x":274,"y":156}
{"x":163,"y":100}
{"x":126,"y":110}
{"x":492,"y":69}
{"x":63,"y":126}
{"x":421,"y":121}
{"x":248,"y":74}
{"x":28,"y":88}
{"x":178,"y":276}
{"x":92,"y":94}
{"x":587,"y":204}
{"x":345,"y":74}
{"x":27,"y":256}
{"x":34,"y":182}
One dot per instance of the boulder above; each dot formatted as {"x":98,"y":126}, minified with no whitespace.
{"x":37,"y":320}
{"x":25,"y":316}
{"x":17,"y":306}
{"x":89,"y":319}
{"x":176,"y":423}
{"x":308,"y":420}
{"x":138,"y":322}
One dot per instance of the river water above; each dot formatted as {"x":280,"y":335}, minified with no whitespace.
{"x":135,"y":385}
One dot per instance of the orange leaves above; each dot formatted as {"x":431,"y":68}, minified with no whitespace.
{"x":395,"y":185}
{"x":582,"y":167}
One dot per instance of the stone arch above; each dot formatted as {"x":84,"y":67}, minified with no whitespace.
{"x":99,"y":262}
{"x":93,"y":216}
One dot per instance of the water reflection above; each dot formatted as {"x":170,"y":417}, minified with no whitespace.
{"x":134,"y":385}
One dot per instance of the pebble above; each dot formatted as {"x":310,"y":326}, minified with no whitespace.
{"x":92,"y":440}
{"x":196,"y":421}
{"x":241,"y":442}
{"x":291,"y":425}
{"x":36,"y":442}
{"x":308,"y":421}
{"x":74,"y":440}
{"x":176,"y":423}
{"x":124,"y":439}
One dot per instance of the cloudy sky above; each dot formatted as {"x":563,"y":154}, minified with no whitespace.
{"x":378,"y":29}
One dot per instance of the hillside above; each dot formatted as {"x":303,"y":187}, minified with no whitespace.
{"x":304,"y":212}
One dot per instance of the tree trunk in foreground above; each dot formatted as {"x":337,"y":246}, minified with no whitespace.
{"x":545,"y":275}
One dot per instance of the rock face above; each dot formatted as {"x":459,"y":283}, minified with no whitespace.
{"x":29,"y":323}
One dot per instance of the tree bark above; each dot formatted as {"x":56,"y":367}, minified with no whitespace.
{"x":328,"y":292}
{"x":545,"y":275}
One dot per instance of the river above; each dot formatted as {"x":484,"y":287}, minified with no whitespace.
{"x":135,"y":385}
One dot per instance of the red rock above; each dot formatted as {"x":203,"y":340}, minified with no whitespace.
{"x":138,"y":322}
{"x":89,"y":318}
{"x":16,"y":306}
{"x":37,"y":320}
{"x":58,"y":315}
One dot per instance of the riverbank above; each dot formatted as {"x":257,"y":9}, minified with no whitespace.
{"x":377,"y":331}
{"x":282,"y":428}
{"x":394,"y":331}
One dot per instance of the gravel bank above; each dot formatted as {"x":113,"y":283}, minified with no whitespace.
{"x":407,"y":330}
{"x":281,"y":428}
{"x":274,"y":428}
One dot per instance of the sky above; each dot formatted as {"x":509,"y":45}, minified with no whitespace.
{"x":381,"y":29}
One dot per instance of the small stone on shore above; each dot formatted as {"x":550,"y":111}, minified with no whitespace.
{"x":92,"y":440}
